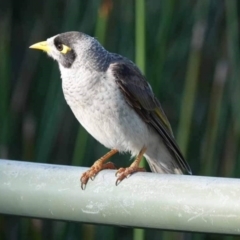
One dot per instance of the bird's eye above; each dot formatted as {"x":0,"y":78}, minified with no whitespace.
{"x":62,"y":48}
{"x":59,"y":47}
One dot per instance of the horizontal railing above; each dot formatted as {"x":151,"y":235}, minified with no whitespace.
{"x":144,"y":200}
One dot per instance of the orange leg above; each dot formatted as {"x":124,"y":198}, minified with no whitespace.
{"x":97,"y":167}
{"x":134,"y":167}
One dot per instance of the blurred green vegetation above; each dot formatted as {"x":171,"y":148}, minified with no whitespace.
{"x":189,"y":52}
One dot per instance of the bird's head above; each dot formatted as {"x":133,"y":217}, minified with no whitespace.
{"x":72,"y":50}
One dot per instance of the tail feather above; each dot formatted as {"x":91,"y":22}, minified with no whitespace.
{"x":160,"y":167}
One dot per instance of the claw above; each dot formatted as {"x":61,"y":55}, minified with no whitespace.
{"x":83,"y":186}
{"x":117,"y":182}
{"x":84,"y":180}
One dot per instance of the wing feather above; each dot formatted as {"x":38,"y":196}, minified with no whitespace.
{"x":139,"y":96}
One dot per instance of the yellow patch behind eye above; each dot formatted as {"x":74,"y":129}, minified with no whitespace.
{"x":65,"y":49}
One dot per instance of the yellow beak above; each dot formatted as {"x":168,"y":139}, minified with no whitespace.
{"x":41,"y":46}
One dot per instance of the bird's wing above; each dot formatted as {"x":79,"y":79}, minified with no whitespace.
{"x":139,"y":96}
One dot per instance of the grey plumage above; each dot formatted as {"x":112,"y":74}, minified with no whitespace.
{"x":111,"y":98}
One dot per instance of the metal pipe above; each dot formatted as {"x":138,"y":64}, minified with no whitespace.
{"x":144,"y":200}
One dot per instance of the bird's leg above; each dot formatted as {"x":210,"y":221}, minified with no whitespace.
{"x":134,"y":167}
{"x":97,"y":167}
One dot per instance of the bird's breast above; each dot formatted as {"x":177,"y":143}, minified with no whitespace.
{"x":100,"y":107}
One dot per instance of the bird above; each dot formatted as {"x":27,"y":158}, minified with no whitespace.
{"x":113,"y":101}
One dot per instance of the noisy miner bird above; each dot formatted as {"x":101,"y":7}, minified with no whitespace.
{"x":113,"y":101}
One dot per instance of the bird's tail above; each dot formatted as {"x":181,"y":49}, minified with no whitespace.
{"x":163,"y":159}
{"x":169,"y":167}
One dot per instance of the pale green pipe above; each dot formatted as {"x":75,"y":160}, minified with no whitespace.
{"x":145,"y":200}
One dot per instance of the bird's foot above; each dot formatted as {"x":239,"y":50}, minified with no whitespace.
{"x":134,"y":167}
{"x":126,"y":172}
{"x":94,"y":170}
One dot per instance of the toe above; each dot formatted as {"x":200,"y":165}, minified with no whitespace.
{"x":120,"y":171}
{"x":123,"y":173}
{"x":93,"y":171}
{"x":84,"y":179}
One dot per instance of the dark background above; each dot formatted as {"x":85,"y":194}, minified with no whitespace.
{"x":189,"y":52}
